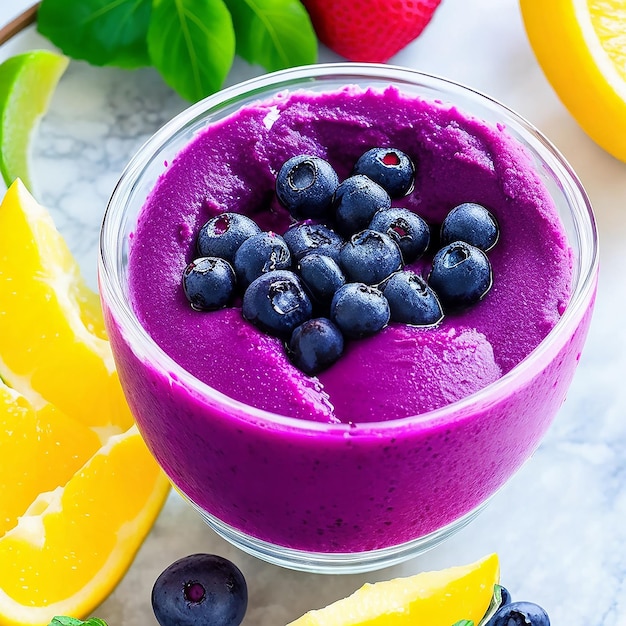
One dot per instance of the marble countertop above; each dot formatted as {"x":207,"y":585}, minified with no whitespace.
{"x":556,"y":525}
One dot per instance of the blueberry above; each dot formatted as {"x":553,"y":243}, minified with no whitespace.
{"x":369,"y":257}
{"x":359,"y":310}
{"x":520,"y":614}
{"x":321,"y":276}
{"x":209,"y":283}
{"x":392,"y":169}
{"x":261,"y":253}
{"x":505,"y":596}
{"x":407,"y":229}
{"x":472,"y":223}
{"x":302,"y":239}
{"x":356,"y":201}
{"x":461,"y":275}
{"x":305,"y":186}
{"x":411,"y":300}
{"x":200,"y":589}
{"x":315,"y":345}
{"x":223,"y":234}
{"x":276,"y":302}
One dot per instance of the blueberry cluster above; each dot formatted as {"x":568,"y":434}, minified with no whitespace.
{"x":519,"y":613}
{"x":340,"y":271}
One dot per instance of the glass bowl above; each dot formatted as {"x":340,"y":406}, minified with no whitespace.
{"x":356,"y":496}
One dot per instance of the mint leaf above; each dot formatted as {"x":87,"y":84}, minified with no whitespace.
{"x":273,"y":33}
{"x":61,"y":620}
{"x":192,"y":44}
{"x":101,"y":32}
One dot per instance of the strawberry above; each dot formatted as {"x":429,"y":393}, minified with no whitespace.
{"x":369,"y":30}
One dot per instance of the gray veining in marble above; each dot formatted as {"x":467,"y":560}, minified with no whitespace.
{"x":559,"y":524}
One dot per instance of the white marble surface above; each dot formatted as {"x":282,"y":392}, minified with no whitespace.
{"x":559,"y":524}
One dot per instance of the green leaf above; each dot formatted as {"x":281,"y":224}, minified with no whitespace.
{"x":192,"y":44}
{"x":273,"y":33}
{"x":61,"y":620}
{"x":464,"y":622}
{"x":101,"y":32}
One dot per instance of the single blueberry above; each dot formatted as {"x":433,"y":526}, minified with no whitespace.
{"x":505,"y":596}
{"x":356,"y":201}
{"x":200,"y":589}
{"x":315,"y":345}
{"x":391,"y":168}
{"x":304,"y":238}
{"x":359,"y":310}
{"x":411,"y":300}
{"x":520,"y":614}
{"x":407,"y":229}
{"x":305,"y":186}
{"x":369,"y":257}
{"x":209,"y":283}
{"x":261,"y":253}
{"x":276,"y":303}
{"x":223,"y":234}
{"x":460,"y":275}
{"x":321,"y":276}
{"x":472,"y":223}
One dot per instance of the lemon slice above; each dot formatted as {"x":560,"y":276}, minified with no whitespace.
{"x":41,"y":450}
{"x":54,"y":347}
{"x":439,"y":598}
{"x":580,"y":47}
{"x":73,"y":544}
{"x":27,"y":82}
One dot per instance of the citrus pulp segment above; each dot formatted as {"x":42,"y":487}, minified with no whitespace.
{"x":579,"y":45}
{"x":73,"y":545}
{"x":27,"y":82}
{"x":54,"y":346}
{"x":41,"y":450}
{"x":439,"y":598}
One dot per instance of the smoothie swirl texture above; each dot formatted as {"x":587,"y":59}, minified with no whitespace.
{"x":403,"y":370}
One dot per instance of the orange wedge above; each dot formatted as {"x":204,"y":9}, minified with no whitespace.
{"x":54,"y":346}
{"x":439,"y":598}
{"x":41,"y":450}
{"x":73,"y":544}
{"x":581,"y":48}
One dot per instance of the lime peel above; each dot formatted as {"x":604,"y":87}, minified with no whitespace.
{"x":496,"y":601}
{"x":27,"y":83}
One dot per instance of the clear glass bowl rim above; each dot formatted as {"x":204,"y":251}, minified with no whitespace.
{"x":146,"y":349}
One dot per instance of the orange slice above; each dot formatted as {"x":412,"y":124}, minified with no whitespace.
{"x":73,"y":544}
{"x":41,"y":450}
{"x":439,"y":598}
{"x":54,"y":346}
{"x":580,"y":46}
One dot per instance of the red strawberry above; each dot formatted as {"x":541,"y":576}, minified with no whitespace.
{"x":370,"y":31}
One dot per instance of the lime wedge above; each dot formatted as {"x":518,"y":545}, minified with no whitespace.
{"x":27,"y":82}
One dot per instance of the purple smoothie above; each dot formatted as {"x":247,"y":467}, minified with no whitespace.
{"x":348,"y":467}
